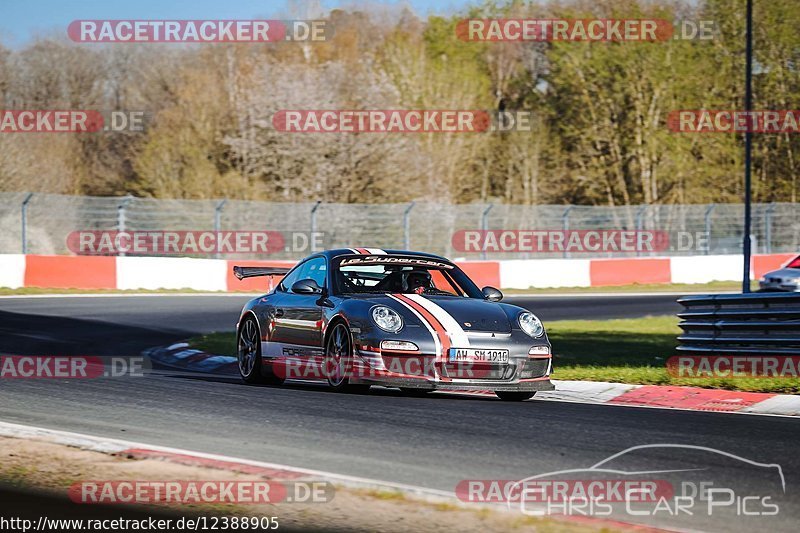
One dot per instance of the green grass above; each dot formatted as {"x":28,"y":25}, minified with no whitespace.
{"x":635,"y":351}
{"x":714,"y":286}
{"x":215,"y":343}
{"x":621,"y":351}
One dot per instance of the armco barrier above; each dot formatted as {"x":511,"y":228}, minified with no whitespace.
{"x":90,"y":272}
{"x":628,"y":271}
{"x":80,"y":272}
{"x":544,"y":273}
{"x":171,"y":273}
{"x":740,"y":324}
{"x":12,"y":271}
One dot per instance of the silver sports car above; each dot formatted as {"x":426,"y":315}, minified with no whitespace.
{"x":784,"y":279}
{"x":356,"y":317}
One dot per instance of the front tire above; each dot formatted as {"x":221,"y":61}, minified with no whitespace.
{"x":338,"y":360}
{"x":248,"y":355}
{"x":514,"y":396}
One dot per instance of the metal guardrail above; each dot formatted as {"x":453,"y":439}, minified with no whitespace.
{"x":746,"y":324}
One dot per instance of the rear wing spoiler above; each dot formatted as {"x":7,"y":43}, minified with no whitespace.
{"x":253,"y":272}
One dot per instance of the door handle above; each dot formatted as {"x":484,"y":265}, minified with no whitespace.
{"x":279,"y":313}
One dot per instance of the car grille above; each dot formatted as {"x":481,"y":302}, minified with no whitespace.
{"x":532,"y":368}
{"x":488,"y":372}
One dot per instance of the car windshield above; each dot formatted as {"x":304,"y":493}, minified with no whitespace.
{"x":398,"y":274}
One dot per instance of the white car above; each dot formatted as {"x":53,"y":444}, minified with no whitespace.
{"x":784,"y":279}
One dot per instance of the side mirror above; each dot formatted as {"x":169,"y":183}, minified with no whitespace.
{"x":306,"y":286}
{"x":492,"y":294}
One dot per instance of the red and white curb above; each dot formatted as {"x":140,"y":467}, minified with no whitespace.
{"x":179,"y":355}
{"x":591,"y":392}
{"x":674,"y":397}
{"x":271,"y":471}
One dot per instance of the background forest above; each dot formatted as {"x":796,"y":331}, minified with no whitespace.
{"x":600,"y":135}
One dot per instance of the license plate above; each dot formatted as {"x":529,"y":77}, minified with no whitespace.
{"x":478,"y":355}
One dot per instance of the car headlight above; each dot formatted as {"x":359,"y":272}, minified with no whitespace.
{"x":387,"y":319}
{"x":530,"y":324}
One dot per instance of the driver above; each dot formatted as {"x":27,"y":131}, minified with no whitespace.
{"x":416,"y":281}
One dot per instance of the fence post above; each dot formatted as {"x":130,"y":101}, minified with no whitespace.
{"x":565,"y":225}
{"x":707,"y":222}
{"x":768,"y":228}
{"x":314,"y":225}
{"x":639,"y":225}
{"x":485,"y":227}
{"x":218,"y":222}
{"x":406,"y":233}
{"x":123,"y":204}
{"x":24,"y":216}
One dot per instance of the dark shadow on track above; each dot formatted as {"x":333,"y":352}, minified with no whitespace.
{"x":33,"y":334}
{"x":321,"y":387}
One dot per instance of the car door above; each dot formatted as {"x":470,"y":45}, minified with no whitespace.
{"x":298,"y":318}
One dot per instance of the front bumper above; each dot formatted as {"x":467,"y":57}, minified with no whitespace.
{"x":540,"y":384}
{"x":778,"y":286}
{"x":428,"y":372}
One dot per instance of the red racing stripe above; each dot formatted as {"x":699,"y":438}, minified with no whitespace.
{"x":441,"y":332}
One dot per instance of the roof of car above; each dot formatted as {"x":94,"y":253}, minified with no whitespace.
{"x":356,"y":251}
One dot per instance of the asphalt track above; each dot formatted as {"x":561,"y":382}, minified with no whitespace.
{"x":126,"y":325}
{"x":432,"y":442}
